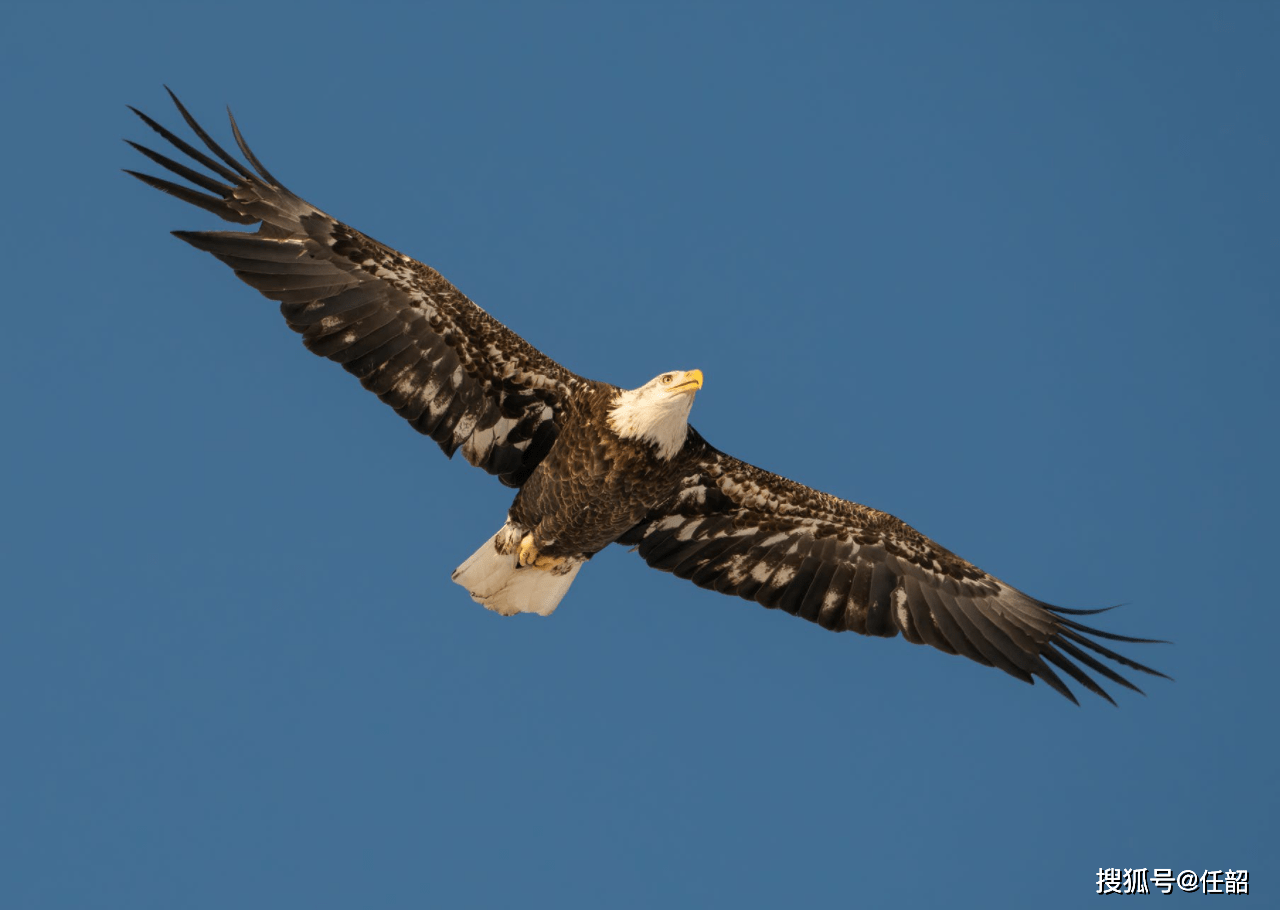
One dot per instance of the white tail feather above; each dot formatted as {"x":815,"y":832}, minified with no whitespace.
{"x":497,"y":581}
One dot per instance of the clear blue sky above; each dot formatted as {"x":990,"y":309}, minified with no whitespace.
{"x":1006,"y":270}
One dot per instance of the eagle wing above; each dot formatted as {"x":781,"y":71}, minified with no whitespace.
{"x":734,"y":528}
{"x":412,"y":338}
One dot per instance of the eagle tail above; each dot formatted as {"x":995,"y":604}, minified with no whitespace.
{"x":495,"y":579}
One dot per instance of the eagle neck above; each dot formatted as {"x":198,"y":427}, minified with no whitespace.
{"x":660,"y":420}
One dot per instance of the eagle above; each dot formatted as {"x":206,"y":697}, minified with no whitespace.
{"x":594,"y":464}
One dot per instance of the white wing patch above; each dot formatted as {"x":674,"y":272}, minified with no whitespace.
{"x":784,"y":574}
{"x":832,"y":598}
{"x":898,"y":598}
{"x":691,"y":496}
{"x":687,"y":532}
{"x":737,"y":570}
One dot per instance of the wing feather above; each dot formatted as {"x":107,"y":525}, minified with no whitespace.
{"x":450,"y":369}
{"x":736,"y":529}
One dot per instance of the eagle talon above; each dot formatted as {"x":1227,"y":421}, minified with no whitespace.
{"x":529,"y":557}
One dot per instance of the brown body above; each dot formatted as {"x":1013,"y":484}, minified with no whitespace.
{"x":593,"y":486}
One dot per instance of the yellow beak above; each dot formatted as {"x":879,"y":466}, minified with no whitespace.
{"x":691,"y":383}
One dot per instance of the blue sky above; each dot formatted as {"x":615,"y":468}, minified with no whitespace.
{"x":1008,"y":271}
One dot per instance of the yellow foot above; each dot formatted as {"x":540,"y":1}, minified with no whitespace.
{"x":530,"y":557}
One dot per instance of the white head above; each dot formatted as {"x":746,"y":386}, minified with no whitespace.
{"x":658,"y":411}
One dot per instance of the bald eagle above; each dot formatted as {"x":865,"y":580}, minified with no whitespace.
{"x":595,"y":464}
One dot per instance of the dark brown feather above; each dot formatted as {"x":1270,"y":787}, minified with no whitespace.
{"x":452,"y":370}
{"x":849,"y":567}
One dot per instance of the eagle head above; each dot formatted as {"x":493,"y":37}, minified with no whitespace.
{"x":658,"y":411}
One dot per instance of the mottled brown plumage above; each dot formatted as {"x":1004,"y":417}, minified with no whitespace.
{"x":593,"y":485}
{"x":462,"y":378}
{"x":449,"y":368}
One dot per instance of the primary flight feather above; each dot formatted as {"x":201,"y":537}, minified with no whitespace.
{"x":595,"y":464}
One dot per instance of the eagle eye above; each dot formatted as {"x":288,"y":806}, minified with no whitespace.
{"x":666,"y":379}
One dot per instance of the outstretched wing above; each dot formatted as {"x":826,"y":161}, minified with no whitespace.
{"x":412,"y":338}
{"x":736,"y":529}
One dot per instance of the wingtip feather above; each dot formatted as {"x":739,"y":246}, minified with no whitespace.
{"x":248,"y":152}
{"x":208,"y":140}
